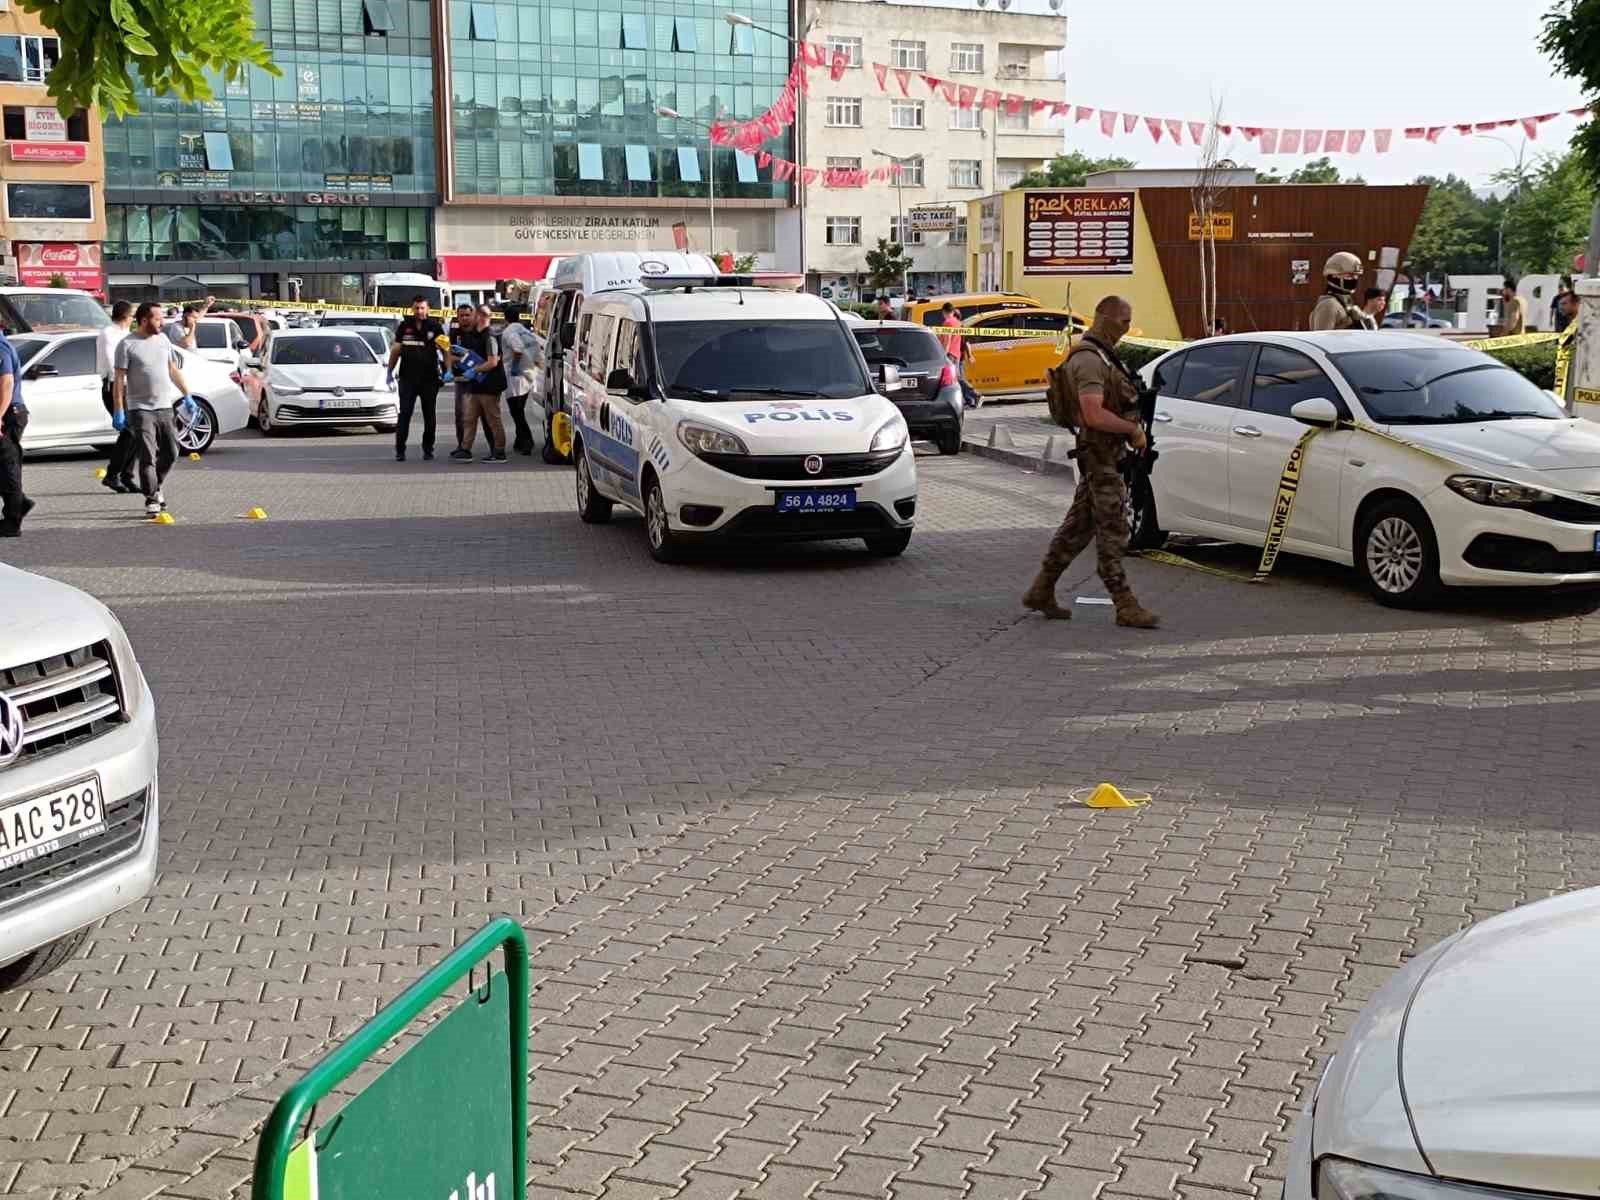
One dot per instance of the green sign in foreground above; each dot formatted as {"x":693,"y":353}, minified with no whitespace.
{"x":447,"y":1121}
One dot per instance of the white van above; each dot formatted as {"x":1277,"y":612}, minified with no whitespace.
{"x":721,"y":411}
{"x":576,"y":278}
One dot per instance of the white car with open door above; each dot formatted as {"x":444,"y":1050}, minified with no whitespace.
{"x":728,"y":412}
{"x":322,"y":376}
{"x":219,"y":340}
{"x":61,"y":387}
{"x":1434,"y":464}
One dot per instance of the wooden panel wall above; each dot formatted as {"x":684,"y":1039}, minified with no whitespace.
{"x":1255,"y":288}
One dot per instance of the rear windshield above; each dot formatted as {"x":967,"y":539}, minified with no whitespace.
{"x":337,"y":350}
{"x":1441,"y":386}
{"x":49,"y":312}
{"x":900,"y":347}
{"x":722,"y":360}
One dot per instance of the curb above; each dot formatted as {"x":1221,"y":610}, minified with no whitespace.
{"x":1017,"y":458}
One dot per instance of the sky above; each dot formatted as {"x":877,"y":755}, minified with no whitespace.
{"x":1332,"y":63}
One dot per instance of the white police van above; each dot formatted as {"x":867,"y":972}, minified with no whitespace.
{"x":720,"y":410}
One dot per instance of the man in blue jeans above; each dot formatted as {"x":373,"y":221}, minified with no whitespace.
{"x":13,"y":420}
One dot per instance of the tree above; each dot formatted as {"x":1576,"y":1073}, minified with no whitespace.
{"x":171,"y":46}
{"x":1318,"y":170}
{"x":1071,"y":170}
{"x":887,"y":265}
{"x":58,"y":280}
{"x":1548,"y":222}
{"x":1457,"y":232}
{"x":1572,"y":41}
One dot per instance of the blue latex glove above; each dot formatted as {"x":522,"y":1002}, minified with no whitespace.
{"x":389,"y":377}
{"x":119,"y":420}
{"x":190,"y":408}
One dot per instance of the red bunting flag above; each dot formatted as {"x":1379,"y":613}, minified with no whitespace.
{"x":1197,"y":132}
{"x":934,"y":83}
{"x":1433,"y":133}
{"x":1530,"y":127}
{"x":1174,"y":130}
{"x":1153,"y":124}
{"x":1039,"y":106}
{"x":881,"y":70}
{"x":1485,"y":126}
{"x":1108,"y":122}
{"x":1080,"y":114}
{"x":1290,"y":141}
{"x":1060,"y":109}
{"x":1014,"y":104}
{"x":1333,"y":141}
{"x":1313,"y":140}
{"x":840,"y":64}
{"x":1543,"y":117}
{"x":1269,"y":141}
{"x":1380,"y":139}
{"x":1250,"y":132}
{"x":903,"y":78}
{"x":1463,"y":130}
{"x":1415,"y":133}
{"x":949,"y":91}
{"x":1227,"y":130}
{"x":782,"y":169}
{"x":1578,"y":112}
{"x":966,"y":96}
{"x":991,"y":98}
{"x":810,"y":175}
{"x":763,"y":160}
{"x":879,"y":174}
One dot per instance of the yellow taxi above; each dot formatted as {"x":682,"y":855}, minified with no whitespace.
{"x":966,"y":304}
{"x":1012,"y":350}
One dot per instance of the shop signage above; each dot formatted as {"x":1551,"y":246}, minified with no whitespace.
{"x":1219,"y":228}
{"x":44,"y":124}
{"x":600,"y":230}
{"x":1077,"y":233}
{"x":933,"y":220}
{"x":77,"y":262}
{"x":358,"y":183}
{"x":281,"y":198}
{"x":48,"y":152}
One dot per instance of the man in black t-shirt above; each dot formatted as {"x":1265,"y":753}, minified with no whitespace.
{"x":417,"y":353}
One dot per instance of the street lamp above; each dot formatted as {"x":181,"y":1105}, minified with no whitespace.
{"x":1500,"y":248}
{"x":711,"y":166}
{"x":899,"y":202}
{"x":739,"y":19}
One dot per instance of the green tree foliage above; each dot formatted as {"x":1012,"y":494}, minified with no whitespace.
{"x":1318,"y":170}
{"x":1071,"y":170}
{"x":1571,"y":40}
{"x":1548,"y":223}
{"x":171,"y":46}
{"x":1458,"y":231}
{"x":888,"y":264}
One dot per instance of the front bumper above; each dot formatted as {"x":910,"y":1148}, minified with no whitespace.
{"x":384,"y":409}
{"x":107,"y":873}
{"x":1481,"y":545}
{"x":746,"y":508}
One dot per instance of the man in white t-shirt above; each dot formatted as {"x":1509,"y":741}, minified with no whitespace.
{"x":119,"y":467}
{"x":517,"y":349}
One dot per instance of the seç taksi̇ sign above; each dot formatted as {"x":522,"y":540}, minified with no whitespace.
{"x":1077,"y":233}
{"x":76,"y":262}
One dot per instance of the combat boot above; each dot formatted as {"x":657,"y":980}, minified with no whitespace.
{"x":1133,"y":615}
{"x":1041,"y":598}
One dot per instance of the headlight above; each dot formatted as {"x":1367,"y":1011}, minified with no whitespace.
{"x":1495,"y":491}
{"x":702,"y":439}
{"x":279,"y":389}
{"x":1339,"y":1179}
{"x":127,"y":666}
{"x":891,"y":435}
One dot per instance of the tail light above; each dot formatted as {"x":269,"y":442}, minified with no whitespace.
{"x":238,"y":379}
{"x":947,"y":377}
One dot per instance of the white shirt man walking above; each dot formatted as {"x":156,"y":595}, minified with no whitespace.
{"x":148,"y":382}
{"x":119,"y":467}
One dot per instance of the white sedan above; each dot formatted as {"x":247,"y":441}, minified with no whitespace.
{"x":61,"y":387}
{"x":1463,"y":473}
{"x":319,"y":377}
{"x":1470,"y":1075}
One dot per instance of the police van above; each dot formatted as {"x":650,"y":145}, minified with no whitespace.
{"x":720,"y":410}
{"x":555,"y":320}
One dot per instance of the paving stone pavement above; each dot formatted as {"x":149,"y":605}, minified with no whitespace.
{"x":812,"y":911}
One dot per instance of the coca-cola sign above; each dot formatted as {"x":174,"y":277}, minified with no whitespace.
{"x":48,"y":152}
{"x":76,"y":262}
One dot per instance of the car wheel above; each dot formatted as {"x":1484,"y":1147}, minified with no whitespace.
{"x":264,"y":422}
{"x":665,"y":546}
{"x":949,"y":442}
{"x":1397,"y":555}
{"x":1139,"y":501}
{"x":594,"y":508}
{"x":196,"y":434}
{"x":41,"y":961}
{"x":888,"y":545}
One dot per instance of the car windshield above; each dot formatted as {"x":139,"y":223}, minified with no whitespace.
{"x":1441,"y":385}
{"x":901,"y":347}
{"x":48,"y":312}
{"x":376,"y":338}
{"x":722,"y":360}
{"x":28,"y":348}
{"x":335,"y":350}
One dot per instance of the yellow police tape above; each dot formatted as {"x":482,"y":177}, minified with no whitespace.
{"x":262,"y":302}
{"x":1177,"y":560}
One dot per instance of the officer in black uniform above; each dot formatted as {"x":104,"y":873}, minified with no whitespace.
{"x":417,"y":353}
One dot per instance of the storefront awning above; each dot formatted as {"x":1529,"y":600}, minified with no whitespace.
{"x":486,"y":268}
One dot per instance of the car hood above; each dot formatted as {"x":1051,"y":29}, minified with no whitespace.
{"x":1562,"y":454}
{"x":324,"y":375}
{"x":45,"y":617}
{"x":783,"y":426}
{"x":1501,"y":1051}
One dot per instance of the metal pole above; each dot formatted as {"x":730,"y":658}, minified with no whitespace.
{"x":900,"y":205}
{"x":711,"y":191}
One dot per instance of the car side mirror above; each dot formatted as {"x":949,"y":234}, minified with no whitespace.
{"x":44,"y":371}
{"x":622,"y":383}
{"x":1319,"y":413}
{"x":889,"y":378}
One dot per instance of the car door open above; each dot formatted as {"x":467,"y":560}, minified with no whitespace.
{"x":1198,"y":401}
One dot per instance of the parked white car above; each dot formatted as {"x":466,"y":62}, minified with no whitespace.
{"x":319,"y":377}
{"x":1470,"y":1075}
{"x":219,"y":340}
{"x":61,"y":387}
{"x":727,"y":412}
{"x":1496,"y":486}
{"x":78,"y":785}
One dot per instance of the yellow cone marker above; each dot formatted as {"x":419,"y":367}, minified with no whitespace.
{"x":194,"y":456}
{"x":256,"y":514}
{"x":99,"y":472}
{"x":163,"y":519}
{"x":1107,"y":796}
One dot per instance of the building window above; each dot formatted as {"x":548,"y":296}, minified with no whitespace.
{"x":743,"y":41}
{"x":591,"y":162}
{"x":958,"y":235}
{"x":633,"y":32}
{"x":683,"y":35}
{"x":913,"y":237}
{"x":966,"y":58}
{"x":28,"y":59}
{"x":844,"y":231}
{"x":638,"y":159}
{"x":911,"y":172}
{"x":1013,"y":62}
{"x":219,"y":153}
{"x":844,"y":112}
{"x":49,"y":201}
{"x":376,"y":19}
{"x":844,"y":164}
{"x":849,"y":46}
{"x":745,"y":166}
{"x":908,"y":56}
{"x":905,"y":114}
{"x":1009,"y":176}
{"x":966,"y":118}
{"x":688,"y":164}
{"x":966,"y":172}
{"x":1017,"y":120}
{"x":481,"y":25}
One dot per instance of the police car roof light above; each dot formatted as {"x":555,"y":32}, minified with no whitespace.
{"x":689,"y":282}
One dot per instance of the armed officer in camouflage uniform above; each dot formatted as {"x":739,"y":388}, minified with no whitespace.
{"x":1107,"y":408}
{"x":1336,"y":307}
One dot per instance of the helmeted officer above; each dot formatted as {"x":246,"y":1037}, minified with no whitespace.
{"x":1336,"y":307}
